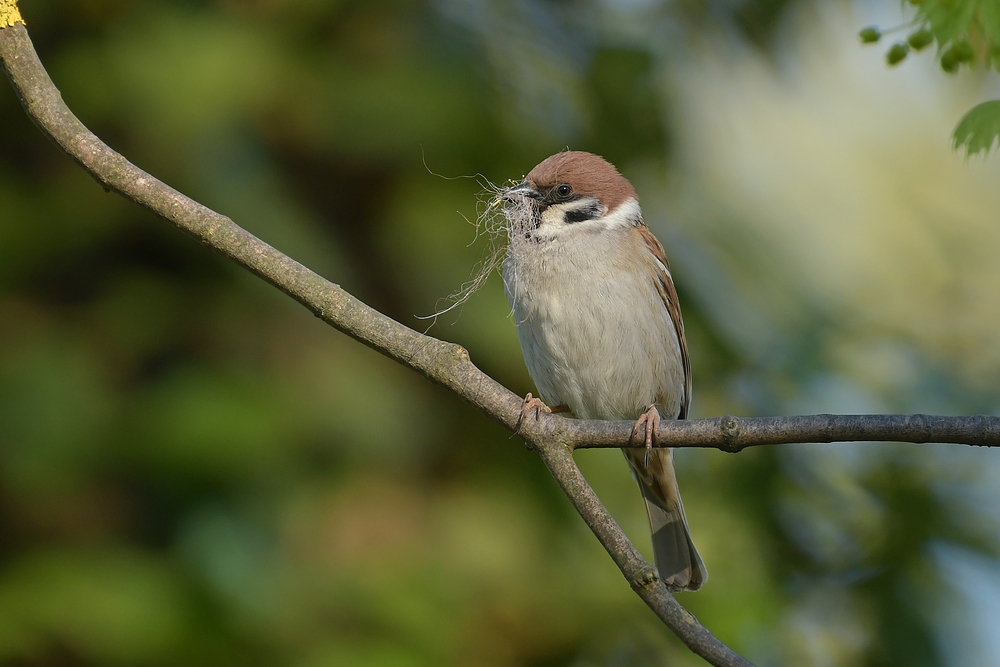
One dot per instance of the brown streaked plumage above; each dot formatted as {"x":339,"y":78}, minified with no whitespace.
{"x":669,"y":295}
{"x":600,"y":324}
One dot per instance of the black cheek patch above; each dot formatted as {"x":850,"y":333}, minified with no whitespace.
{"x":581,"y":214}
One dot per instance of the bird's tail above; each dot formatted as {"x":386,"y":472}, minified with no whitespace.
{"x":676,"y":558}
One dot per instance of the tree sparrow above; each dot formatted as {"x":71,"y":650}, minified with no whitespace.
{"x":600,"y":326}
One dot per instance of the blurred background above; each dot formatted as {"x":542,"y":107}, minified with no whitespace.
{"x":194,"y":470}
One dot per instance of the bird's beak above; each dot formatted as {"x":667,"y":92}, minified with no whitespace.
{"x":521,"y":191}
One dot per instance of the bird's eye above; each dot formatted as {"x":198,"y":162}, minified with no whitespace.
{"x":564,"y":190}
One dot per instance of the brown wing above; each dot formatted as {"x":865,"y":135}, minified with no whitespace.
{"x":665,"y":285}
{"x":676,"y":558}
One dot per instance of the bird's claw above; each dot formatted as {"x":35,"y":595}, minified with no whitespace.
{"x":530,"y":403}
{"x":650,"y":422}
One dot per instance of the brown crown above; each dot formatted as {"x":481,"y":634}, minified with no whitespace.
{"x":586,"y":173}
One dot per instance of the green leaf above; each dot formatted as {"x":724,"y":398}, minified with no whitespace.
{"x":948,"y":19}
{"x":989,"y":20}
{"x":979,"y":129}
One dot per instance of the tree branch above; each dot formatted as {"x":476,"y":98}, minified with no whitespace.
{"x":734,"y":434}
{"x":449,"y":365}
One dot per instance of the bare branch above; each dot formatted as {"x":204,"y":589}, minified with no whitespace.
{"x":640,"y":574}
{"x":734,"y":434}
{"x":447,"y":364}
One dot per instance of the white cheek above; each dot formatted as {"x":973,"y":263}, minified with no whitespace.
{"x":553,"y":216}
{"x":628,"y":214}
{"x":553,"y":220}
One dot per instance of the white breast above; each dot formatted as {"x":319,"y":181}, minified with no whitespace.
{"x":594,"y":331}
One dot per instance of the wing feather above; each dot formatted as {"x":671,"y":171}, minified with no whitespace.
{"x":665,"y":286}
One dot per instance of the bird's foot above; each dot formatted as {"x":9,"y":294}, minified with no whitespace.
{"x":531,"y":403}
{"x":650,"y":422}
{"x":527,"y":405}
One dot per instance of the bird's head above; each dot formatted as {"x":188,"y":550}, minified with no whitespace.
{"x":570,"y":192}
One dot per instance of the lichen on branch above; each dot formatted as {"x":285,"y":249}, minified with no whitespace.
{"x":9,"y":14}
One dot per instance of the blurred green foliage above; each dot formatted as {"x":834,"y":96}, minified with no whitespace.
{"x":195,"y":471}
{"x":967,"y":32}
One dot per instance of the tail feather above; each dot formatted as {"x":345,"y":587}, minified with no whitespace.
{"x":676,"y":558}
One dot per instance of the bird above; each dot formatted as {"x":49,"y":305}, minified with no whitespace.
{"x":600,"y":326}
